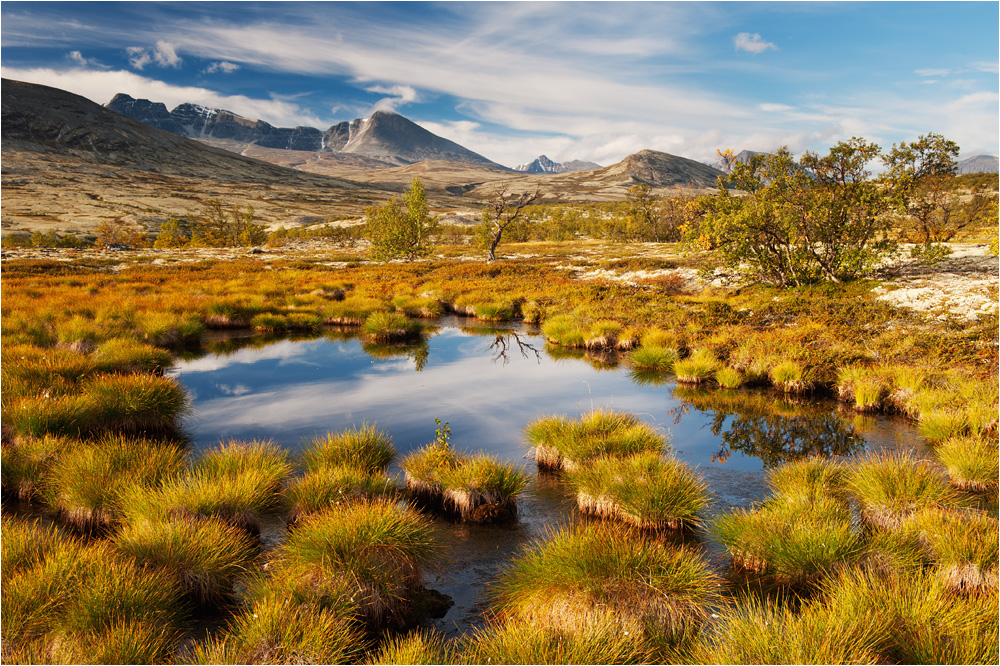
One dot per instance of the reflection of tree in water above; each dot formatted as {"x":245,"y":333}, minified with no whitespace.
{"x":505,"y":341}
{"x":775,"y":431}
{"x":418,"y":350}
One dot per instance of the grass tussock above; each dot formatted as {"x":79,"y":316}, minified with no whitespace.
{"x":583,"y":574}
{"x":790,"y":377}
{"x":365,"y":448}
{"x":384,"y":327}
{"x":87,"y":485}
{"x":416,"y":647}
{"x":889,"y":488}
{"x":645,"y":490}
{"x":697,"y":368}
{"x":26,"y":462}
{"x":205,"y":556}
{"x":378,"y":547}
{"x":973,"y":463}
{"x":560,"y":443}
{"x":962,"y":545}
{"x":477,"y":488}
{"x":335,"y":485}
{"x":655,"y":359}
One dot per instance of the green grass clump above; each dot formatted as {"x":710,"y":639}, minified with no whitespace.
{"x":334,"y":485}
{"x":658,"y":359}
{"x":560,"y":443}
{"x":889,"y":488}
{"x":697,"y":368}
{"x":27,"y":461}
{"x":365,"y":448}
{"x":236,"y":481}
{"x":269,"y":322}
{"x":137,"y":403}
{"x":810,"y":478}
{"x":962,"y":546}
{"x":418,"y":306}
{"x":791,"y":377}
{"x":793,"y":541}
{"x":601,"y":641}
{"x":939,"y":425}
{"x":760,"y":632}
{"x":495,"y":311}
{"x":973,"y":463}
{"x":274,"y":631}
{"x":205,"y":556}
{"x":564,"y":330}
{"x":729,"y":378}
{"x":25,"y":544}
{"x":915,"y":616}
{"x":389,"y":327}
{"x":353,"y":310}
{"x":68,"y":415}
{"x":378,"y":547}
{"x":645,"y":490}
{"x":583,"y":574}
{"x":87,"y":484}
{"x":603,"y":334}
{"x":28,"y":371}
{"x":657,"y":337}
{"x":80,"y":603}
{"x":476,"y":488}
{"x":130,"y":356}
{"x":482,"y":488}
{"x":416,"y":647}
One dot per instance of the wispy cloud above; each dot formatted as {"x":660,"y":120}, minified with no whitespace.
{"x":163,"y":54}
{"x":399,"y":95}
{"x":752,"y":43}
{"x":222,"y":66}
{"x":101,"y":86}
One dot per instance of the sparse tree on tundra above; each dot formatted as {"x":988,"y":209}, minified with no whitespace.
{"x":502,"y":209}
{"x":400,"y":228}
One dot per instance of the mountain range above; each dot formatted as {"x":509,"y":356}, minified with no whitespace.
{"x":384,"y":136}
{"x":543,"y":164}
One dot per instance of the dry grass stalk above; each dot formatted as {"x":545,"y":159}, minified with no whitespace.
{"x":970,"y":577}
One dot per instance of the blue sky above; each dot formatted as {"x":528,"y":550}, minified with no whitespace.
{"x":513,"y":80}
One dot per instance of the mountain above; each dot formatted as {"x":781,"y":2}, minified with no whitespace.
{"x":385,"y":136}
{"x":70,"y":164}
{"x":979,"y":164}
{"x":543,"y":164}
{"x":662,"y":170}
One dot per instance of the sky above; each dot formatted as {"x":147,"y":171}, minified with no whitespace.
{"x":572,"y":80}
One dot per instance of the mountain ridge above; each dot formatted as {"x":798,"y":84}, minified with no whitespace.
{"x":385,"y":135}
{"x":542,"y":164}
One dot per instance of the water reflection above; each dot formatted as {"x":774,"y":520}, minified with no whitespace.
{"x":774,"y":431}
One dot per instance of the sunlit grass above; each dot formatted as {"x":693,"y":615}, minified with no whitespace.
{"x":973,"y":463}
{"x":26,"y":462}
{"x":335,"y":485}
{"x":962,"y":545}
{"x":889,"y":488}
{"x":659,"y":359}
{"x":389,"y":327}
{"x":645,"y":490}
{"x":416,"y":647}
{"x":364,"y":447}
{"x":561,"y":443}
{"x":700,"y":367}
{"x":577,"y":575}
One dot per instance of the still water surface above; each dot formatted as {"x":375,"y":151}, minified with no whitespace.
{"x":290,"y":391}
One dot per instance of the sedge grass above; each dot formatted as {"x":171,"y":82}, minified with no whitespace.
{"x":790,"y":377}
{"x":273,"y":631}
{"x":86,"y":485}
{"x":973,"y":463}
{"x":378,"y":547}
{"x":130,"y":356}
{"x":698,"y":368}
{"x":422,"y":472}
{"x":561,"y":443}
{"x":812,"y":477}
{"x":962,"y":545}
{"x":365,"y":448}
{"x":916,"y":616}
{"x":645,"y":490}
{"x":481,"y":488}
{"x":205,"y":556}
{"x":416,"y":647}
{"x":729,"y":378}
{"x":25,"y":544}
{"x":564,"y":330}
{"x":658,"y":359}
{"x":334,"y":485}
{"x":137,"y":403}
{"x":889,"y":488}
{"x":26,"y":462}
{"x":762,"y":632}
{"x":791,"y":541}
{"x":384,"y":327}
{"x":582,"y":574}
{"x":601,"y":641}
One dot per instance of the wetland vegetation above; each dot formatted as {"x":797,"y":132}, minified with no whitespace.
{"x":126,"y":538}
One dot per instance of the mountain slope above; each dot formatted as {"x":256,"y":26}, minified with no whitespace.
{"x":70,"y":164}
{"x":542,"y":164}
{"x":385,"y":136}
{"x":979,"y":164}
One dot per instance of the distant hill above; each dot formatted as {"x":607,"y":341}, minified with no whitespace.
{"x":979,"y":164}
{"x":69,"y":164}
{"x":385,"y":136}
{"x":543,"y":164}
{"x":662,"y":170}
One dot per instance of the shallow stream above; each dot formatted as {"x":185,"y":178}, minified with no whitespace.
{"x":488,"y":383}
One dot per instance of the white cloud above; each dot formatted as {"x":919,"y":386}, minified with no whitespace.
{"x":932,"y":72}
{"x":775,"y":108}
{"x":166,"y":55}
{"x":752,"y":43}
{"x":138,"y":57}
{"x":101,"y":86}
{"x":399,"y":95}
{"x":222,"y":66}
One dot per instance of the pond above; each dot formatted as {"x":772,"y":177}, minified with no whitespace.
{"x":488,"y":383}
